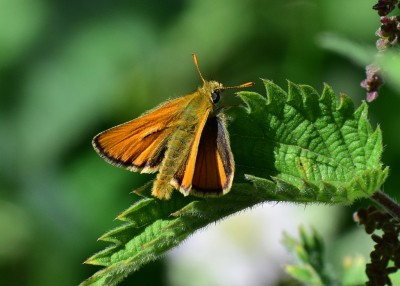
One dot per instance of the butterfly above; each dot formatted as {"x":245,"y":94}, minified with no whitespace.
{"x":185,"y":140}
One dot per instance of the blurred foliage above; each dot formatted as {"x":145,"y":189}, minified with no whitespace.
{"x":69,"y":69}
{"x":312,"y":267}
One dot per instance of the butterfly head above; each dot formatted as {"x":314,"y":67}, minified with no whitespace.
{"x":212,"y":89}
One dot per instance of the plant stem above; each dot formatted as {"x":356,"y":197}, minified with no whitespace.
{"x":390,"y":205}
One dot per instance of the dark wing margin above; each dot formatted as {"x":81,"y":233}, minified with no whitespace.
{"x":129,"y":151}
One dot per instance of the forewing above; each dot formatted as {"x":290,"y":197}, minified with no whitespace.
{"x":140,"y":144}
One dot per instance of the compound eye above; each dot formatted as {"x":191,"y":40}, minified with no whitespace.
{"x":215,"y":95}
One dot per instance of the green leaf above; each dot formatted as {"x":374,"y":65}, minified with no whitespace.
{"x":296,"y":146}
{"x":155,"y":226}
{"x":304,"y":147}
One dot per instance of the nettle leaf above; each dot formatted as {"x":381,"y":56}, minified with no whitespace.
{"x":299,"y":146}
{"x":295,"y":146}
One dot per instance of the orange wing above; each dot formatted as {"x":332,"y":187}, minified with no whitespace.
{"x":213,"y":166}
{"x":140,"y":143}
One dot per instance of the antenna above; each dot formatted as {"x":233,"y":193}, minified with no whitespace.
{"x":247,"y":84}
{"x":197,"y":67}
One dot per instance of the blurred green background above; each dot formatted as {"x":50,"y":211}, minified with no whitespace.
{"x":70,"y":69}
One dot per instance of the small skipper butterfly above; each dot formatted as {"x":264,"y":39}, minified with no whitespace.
{"x":184,"y":139}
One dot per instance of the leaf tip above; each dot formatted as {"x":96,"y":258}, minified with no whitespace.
{"x":328,"y":97}
{"x":346,"y":105}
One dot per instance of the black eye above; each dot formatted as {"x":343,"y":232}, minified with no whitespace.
{"x":215,"y":95}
